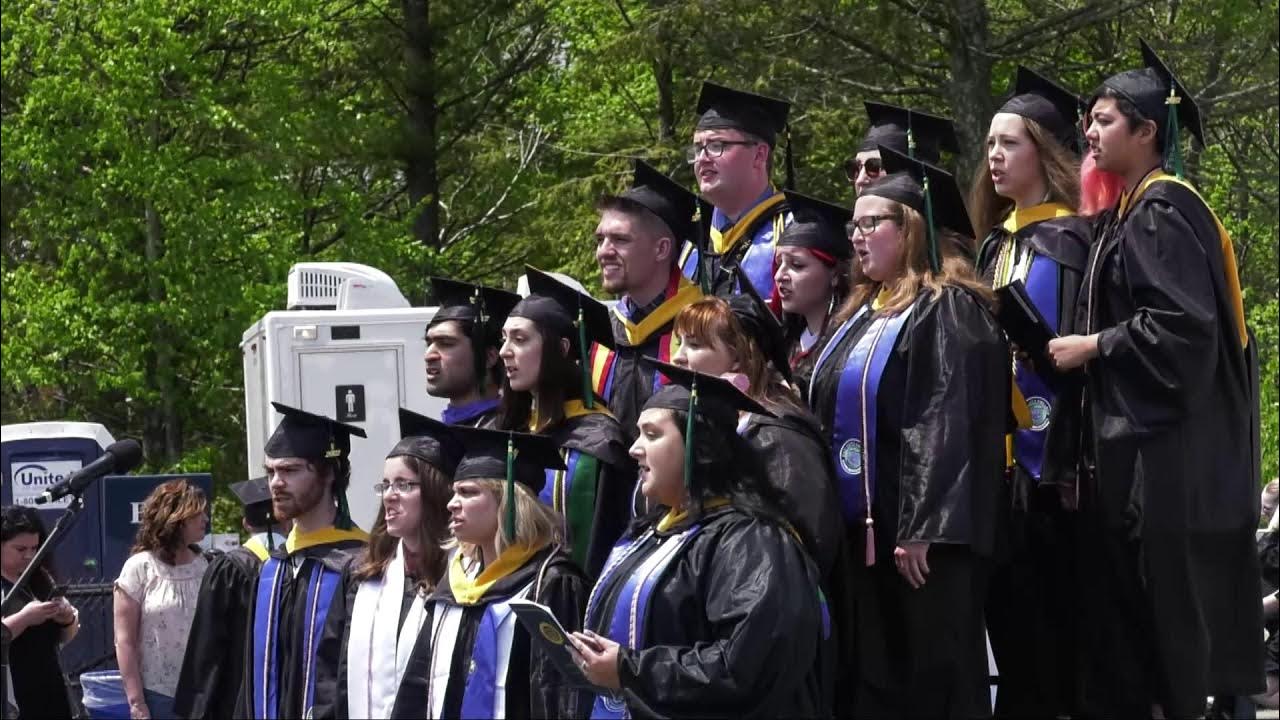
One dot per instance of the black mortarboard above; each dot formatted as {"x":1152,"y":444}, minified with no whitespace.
{"x":662,"y":196}
{"x":722,"y":108}
{"x":927,"y":189}
{"x":817,"y":225}
{"x":715,"y":399}
{"x":758,"y":321}
{"x":505,"y":455}
{"x":1153,"y":89}
{"x":1054,"y":107}
{"x":459,"y":300}
{"x":889,"y":126}
{"x":429,"y":440}
{"x":307,"y":435}
{"x":252,"y":492}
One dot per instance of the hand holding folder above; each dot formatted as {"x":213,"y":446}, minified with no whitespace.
{"x":549,"y":636}
{"x":1027,"y":328}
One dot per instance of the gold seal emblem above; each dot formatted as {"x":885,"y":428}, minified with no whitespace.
{"x":550,"y":632}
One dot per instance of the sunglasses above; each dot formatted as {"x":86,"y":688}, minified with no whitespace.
{"x":853,"y":166}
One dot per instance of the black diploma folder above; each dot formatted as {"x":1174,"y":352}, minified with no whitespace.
{"x":550,"y":637}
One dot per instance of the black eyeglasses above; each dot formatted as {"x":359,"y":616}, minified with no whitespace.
{"x":713,"y":148}
{"x":400,"y":486}
{"x":868,"y":223}
{"x":854,"y":166}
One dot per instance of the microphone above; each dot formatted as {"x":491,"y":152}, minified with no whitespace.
{"x":120,"y":458}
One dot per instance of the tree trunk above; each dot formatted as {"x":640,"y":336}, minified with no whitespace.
{"x":663,"y":75}
{"x":969,"y":91}
{"x":419,"y":149}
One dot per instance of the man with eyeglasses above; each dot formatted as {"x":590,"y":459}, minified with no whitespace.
{"x":638,"y":242}
{"x":910,"y":132}
{"x":732,"y":156}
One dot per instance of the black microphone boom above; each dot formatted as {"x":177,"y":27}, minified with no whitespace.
{"x":120,"y":458}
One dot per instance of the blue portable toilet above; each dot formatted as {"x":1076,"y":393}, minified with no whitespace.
{"x":34,"y":456}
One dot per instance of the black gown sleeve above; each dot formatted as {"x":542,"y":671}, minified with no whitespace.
{"x":758,"y":597}
{"x":953,"y":419}
{"x":796,"y":464}
{"x":1156,"y":361}
{"x":212,"y":666}
{"x":564,"y":590}
{"x":331,"y":655}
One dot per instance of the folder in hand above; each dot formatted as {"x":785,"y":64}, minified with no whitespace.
{"x":1027,"y":328}
{"x":549,"y":636}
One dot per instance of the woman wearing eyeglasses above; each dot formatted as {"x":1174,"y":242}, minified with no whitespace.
{"x":1027,"y":194}
{"x":365,"y":647}
{"x":913,"y":392}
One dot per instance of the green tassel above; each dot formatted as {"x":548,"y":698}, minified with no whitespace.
{"x":343,"y":521}
{"x":704,"y":226}
{"x":935,"y":261}
{"x":911,"y":139}
{"x":1171,"y":129}
{"x":511,"y":489}
{"x":688,"y":437}
{"x":584,"y":357}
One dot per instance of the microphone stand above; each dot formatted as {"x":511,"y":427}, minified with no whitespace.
{"x":56,"y":535}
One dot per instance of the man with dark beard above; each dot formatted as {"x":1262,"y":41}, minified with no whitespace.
{"x":462,"y":350}
{"x":308,"y":470}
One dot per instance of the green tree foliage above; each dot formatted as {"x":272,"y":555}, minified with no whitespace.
{"x":164,"y":163}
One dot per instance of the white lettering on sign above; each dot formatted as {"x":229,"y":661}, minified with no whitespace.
{"x":31,"y":478}
{"x":137,"y":512}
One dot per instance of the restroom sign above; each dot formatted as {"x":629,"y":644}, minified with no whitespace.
{"x":349,"y":403}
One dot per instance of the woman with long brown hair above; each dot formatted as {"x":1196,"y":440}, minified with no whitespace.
{"x":1027,"y":194}
{"x":156,"y":593}
{"x":913,"y":392}
{"x":365,"y":648}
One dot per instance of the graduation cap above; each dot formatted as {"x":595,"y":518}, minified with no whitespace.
{"x":723,"y":108}
{"x":662,"y":196}
{"x":817,"y":225}
{"x":1054,"y":107}
{"x":307,"y":435}
{"x":484,"y":308}
{"x":927,"y":189}
{"x":910,"y":132}
{"x":758,"y":320}
{"x":428,"y":440}
{"x":715,"y":399}
{"x":1160,"y":96}
{"x":507,"y":455}
{"x":252,"y":492}
{"x":569,"y":313}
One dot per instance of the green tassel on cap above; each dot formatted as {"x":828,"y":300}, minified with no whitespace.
{"x":511,"y":489}
{"x":935,"y":262}
{"x":688,"y":436}
{"x":1171,"y":129}
{"x":584,"y":356}
{"x":704,"y":227}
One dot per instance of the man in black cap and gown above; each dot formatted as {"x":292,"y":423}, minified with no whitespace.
{"x":462,"y":350}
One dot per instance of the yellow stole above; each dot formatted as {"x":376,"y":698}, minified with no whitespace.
{"x":675,"y":517}
{"x":638,"y":333}
{"x":1234,"y":296}
{"x":1019,"y":219}
{"x":724,"y":242}
{"x":255,"y":546}
{"x":572,"y":409}
{"x":468,"y":591}
{"x":324,"y":536}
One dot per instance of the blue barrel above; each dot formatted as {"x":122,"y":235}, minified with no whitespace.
{"x":104,"y":697}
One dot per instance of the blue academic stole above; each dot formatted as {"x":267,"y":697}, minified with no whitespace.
{"x":480,"y":692}
{"x":1042,"y":283}
{"x":853,"y":440}
{"x":631,"y":610}
{"x":454,"y":414}
{"x":322,"y":584}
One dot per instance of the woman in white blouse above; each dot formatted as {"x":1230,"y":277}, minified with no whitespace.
{"x":155,"y":596}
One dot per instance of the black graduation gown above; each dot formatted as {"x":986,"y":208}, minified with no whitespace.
{"x":292,"y":623}
{"x":1169,"y":574}
{"x":213,"y":666}
{"x":733,"y":628}
{"x":1030,"y":610}
{"x":331,"y":661}
{"x":38,"y":685}
{"x":941,"y":409}
{"x":534,"y":687}
{"x":599,"y":436}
